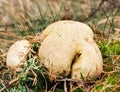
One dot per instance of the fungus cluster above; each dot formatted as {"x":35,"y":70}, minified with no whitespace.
{"x":66,"y":47}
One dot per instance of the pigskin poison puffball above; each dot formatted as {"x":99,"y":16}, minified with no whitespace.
{"x":17,"y":53}
{"x":68,"y":47}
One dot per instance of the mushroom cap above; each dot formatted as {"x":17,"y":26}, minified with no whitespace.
{"x":61,"y":42}
{"x":17,"y":53}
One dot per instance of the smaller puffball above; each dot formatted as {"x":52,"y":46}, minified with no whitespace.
{"x":17,"y":53}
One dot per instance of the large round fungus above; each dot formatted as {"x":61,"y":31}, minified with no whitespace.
{"x":68,"y":46}
{"x":17,"y":53}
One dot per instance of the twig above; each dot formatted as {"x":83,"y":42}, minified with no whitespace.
{"x":35,"y":79}
{"x":94,"y":12}
{"x":45,"y":81}
{"x":28,"y":90}
{"x":71,"y":86}
{"x":67,"y":9}
{"x":11,"y":82}
{"x":81,"y":82}
{"x":53,"y":88}
{"x":65,"y":86}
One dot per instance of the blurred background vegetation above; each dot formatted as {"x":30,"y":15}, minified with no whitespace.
{"x":21,"y":19}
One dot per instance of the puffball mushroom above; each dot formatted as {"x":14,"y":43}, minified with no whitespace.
{"x":17,"y":53}
{"x":68,"y":46}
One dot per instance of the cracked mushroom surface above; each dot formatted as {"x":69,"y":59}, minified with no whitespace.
{"x":17,"y":53}
{"x":68,"y":47}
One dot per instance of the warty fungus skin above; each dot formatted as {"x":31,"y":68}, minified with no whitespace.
{"x":62,"y":41}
